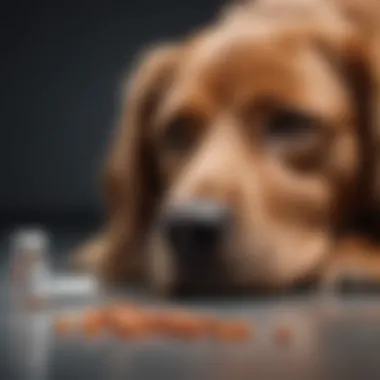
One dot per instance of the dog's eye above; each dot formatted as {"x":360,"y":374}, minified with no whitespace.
{"x":180,"y":134}
{"x":297,"y":138}
{"x":288,"y":124}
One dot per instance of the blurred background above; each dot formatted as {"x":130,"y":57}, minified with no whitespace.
{"x":61,"y":66}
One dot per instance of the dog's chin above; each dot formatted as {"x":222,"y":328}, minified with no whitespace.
{"x":220,"y":277}
{"x":200,"y":287}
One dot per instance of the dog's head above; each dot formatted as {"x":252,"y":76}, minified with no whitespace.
{"x":243,"y":150}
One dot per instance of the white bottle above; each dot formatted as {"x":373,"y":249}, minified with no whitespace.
{"x":35,"y":284}
{"x":30,"y":267}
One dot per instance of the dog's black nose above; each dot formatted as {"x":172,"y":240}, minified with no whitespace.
{"x":196,"y":229}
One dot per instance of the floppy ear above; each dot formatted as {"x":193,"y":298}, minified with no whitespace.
{"x":366,"y":67}
{"x":132,"y":183}
{"x":352,"y":48}
{"x":362,"y":68}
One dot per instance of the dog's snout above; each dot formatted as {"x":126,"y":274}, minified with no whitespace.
{"x":196,"y":229}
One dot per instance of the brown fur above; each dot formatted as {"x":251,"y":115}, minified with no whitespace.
{"x":297,"y":201}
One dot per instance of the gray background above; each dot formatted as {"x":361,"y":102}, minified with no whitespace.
{"x":60,"y":68}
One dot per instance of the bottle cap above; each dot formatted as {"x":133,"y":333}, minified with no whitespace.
{"x":30,"y":241}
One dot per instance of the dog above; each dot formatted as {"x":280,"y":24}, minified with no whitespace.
{"x":247,"y":155}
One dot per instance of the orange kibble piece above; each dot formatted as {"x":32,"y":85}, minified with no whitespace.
{"x":187,"y":326}
{"x":157,"y":322}
{"x":162,"y":322}
{"x":232,"y":331}
{"x":128,"y":323}
{"x":93,"y":322}
{"x":283,"y":334}
{"x":209,"y":323}
{"x":109,"y":314}
{"x":174,"y":323}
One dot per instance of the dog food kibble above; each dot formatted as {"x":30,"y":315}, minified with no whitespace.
{"x":158,"y":322}
{"x":233,"y":331}
{"x":283,"y":334}
{"x":208,"y":322}
{"x":93,"y":323}
{"x":186,"y":326}
{"x":127,"y":322}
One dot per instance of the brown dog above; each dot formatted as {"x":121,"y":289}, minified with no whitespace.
{"x":248,"y":155}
